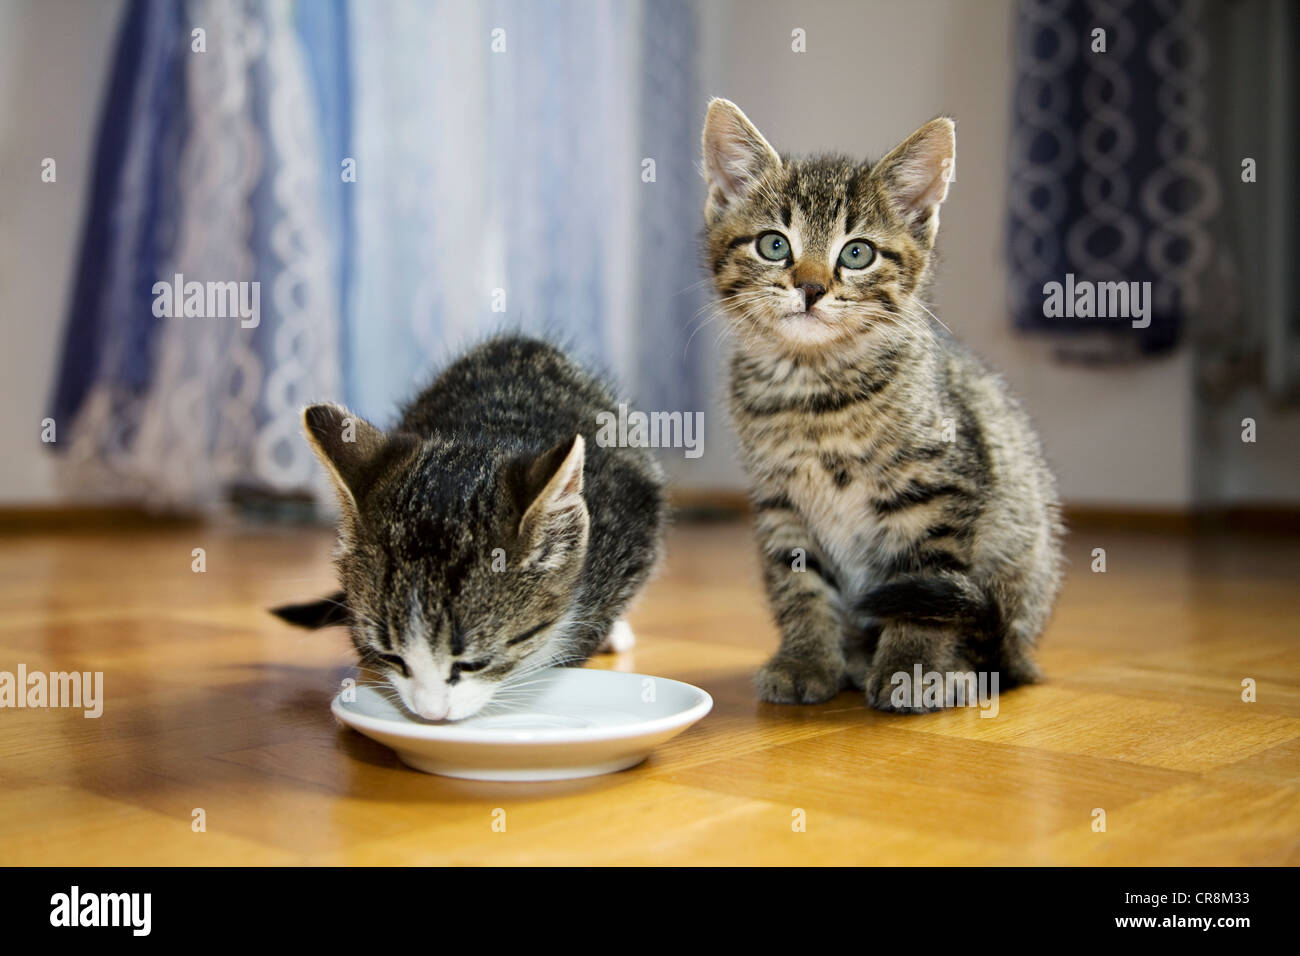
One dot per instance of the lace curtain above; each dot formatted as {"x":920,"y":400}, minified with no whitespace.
{"x":400,"y":179}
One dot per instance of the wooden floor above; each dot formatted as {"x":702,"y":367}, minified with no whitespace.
{"x":212,"y":704}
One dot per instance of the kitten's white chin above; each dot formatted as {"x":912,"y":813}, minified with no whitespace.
{"x":807,"y":330}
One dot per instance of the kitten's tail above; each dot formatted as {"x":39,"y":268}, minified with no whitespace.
{"x":314,"y":615}
{"x":937,"y":598}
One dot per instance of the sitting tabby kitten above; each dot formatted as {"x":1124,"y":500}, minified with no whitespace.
{"x":485,"y":536}
{"x":887,"y":464}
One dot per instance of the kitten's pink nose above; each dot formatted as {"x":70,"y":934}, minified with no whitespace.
{"x":435,"y":712}
{"x":812,"y":291}
{"x":430,"y":703}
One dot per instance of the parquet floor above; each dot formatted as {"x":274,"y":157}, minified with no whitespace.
{"x":212,"y":705}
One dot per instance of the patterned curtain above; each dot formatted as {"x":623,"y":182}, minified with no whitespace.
{"x":400,"y":178}
{"x":1111,"y":179}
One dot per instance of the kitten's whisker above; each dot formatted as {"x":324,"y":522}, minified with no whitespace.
{"x":932,"y":315}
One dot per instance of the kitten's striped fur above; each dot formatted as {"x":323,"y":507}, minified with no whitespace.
{"x":884,"y":459}
{"x":488,"y":534}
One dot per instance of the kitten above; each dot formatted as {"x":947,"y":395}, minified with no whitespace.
{"x":487,"y":535}
{"x":904,"y":510}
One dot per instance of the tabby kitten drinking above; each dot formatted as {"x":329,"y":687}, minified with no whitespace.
{"x":486,"y":535}
{"x":904,"y":510}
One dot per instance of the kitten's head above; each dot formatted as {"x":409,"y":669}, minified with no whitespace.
{"x":809,"y":253}
{"x":459,"y":571}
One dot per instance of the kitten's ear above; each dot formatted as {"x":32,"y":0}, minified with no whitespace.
{"x":355,"y":452}
{"x":735,"y":155}
{"x":555,"y":524}
{"x":916,"y":174}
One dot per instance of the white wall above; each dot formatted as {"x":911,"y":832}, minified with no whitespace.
{"x":1265,"y":472}
{"x":53,"y":67}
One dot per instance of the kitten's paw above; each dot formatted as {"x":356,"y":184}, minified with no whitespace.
{"x":883,"y":693}
{"x":1019,"y":669}
{"x":887,"y":690}
{"x":619,"y":639}
{"x":790,"y":680}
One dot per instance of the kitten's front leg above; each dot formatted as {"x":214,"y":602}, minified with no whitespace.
{"x":809,"y":667}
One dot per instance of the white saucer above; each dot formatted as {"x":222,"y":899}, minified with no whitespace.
{"x":567,"y":723}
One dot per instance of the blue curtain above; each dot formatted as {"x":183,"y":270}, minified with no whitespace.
{"x":131,"y":215}
{"x":1110,"y":176}
{"x":400,"y":178}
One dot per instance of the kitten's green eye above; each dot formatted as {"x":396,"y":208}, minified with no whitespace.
{"x":774,"y":246}
{"x":857,"y":254}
